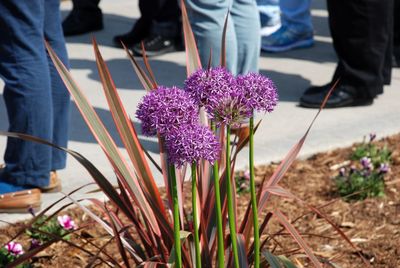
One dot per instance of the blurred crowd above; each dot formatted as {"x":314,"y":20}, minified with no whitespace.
{"x":365,"y":36}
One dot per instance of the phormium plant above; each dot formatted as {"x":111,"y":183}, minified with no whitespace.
{"x":193,"y":129}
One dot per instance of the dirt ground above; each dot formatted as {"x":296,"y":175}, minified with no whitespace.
{"x":373,"y":225}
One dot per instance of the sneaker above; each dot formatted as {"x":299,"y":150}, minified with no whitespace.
{"x":156,"y":45}
{"x":285,"y":39}
{"x":80,"y":22}
{"x":268,"y":30}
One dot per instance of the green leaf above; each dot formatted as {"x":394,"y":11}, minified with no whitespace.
{"x":286,"y":262}
{"x":271,"y":259}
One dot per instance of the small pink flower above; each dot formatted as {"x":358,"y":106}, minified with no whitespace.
{"x":246,"y":174}
{"x":66,"y":222}
{"x":14,"y":248}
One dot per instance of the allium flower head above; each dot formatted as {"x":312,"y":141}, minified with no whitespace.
{"x":66,"y":222}
{"x":231,"y":109}
{"x":259,"y":91}
{"x":207,"y":87}
{"x":366,"y":163}
{"x":165,"y":109}
{"x":191,"y":143}
{"x":14,"y":248}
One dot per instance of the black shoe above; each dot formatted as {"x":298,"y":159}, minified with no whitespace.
{"x":156,"y":45}
{"x":140,"y":31}
{"x":340,"y":97}
{"x":317,"y":89}
{"x":80,"y":22}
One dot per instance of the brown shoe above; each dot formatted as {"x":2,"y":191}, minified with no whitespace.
{"x":21,"y":201}
{"x":54,"y":184}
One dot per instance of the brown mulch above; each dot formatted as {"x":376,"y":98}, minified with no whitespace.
{"x":373,"y":225}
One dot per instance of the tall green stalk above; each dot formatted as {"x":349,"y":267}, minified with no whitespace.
{"x":195,"y":219}
{"x":231,"y":212}
{"x":254,"y":197}
{"x":218,"y":209}
{"x":175,"y":206}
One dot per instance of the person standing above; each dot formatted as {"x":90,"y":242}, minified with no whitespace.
{"x":362,"y":33}
{"x":36,"y":99}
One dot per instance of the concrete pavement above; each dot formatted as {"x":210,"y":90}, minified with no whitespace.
{"x":292,"y":72}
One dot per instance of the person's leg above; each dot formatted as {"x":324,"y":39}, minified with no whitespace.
{"x":296,"y":14}
{"x":88,"y":5}
{"x":24,"y":69}
{"x":60,"y":95}
{"x":296,"y":29}
{"x":396,"y":32}
{"x":165,"y":33}
{"x":362,"y":34}
{"x":207,"y":20}
{"x":245,"y":16}
{"x":86,"y":16}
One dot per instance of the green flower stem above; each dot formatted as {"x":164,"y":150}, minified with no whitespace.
{"x":195,"y":220}
{"x":218,"y":209}
{"x":175,"y":205}
{"x":231,"y":212}
{"x":254,"y":197}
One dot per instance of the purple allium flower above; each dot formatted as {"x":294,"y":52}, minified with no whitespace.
{"x":165,"y":109}
{"x":14,"y":248}
{"x":231,"y":109}
{"x":259,"y":91}
{"x":207,"y":87}
{"x":342,"y":172}
{"x":191,"y":143}
{"x":66,"y":222}
{"x":366,"y":163}
{"x":384,"y":168}
{"x":372,"y":137}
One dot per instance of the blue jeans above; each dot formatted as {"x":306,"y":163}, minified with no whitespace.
{"x":36,"y":99}
{"x":243,"y":33}
{"x":295,"y":14}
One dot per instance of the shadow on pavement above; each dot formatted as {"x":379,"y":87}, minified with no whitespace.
{"x":166,"y":73}
{"x":290,"y":86}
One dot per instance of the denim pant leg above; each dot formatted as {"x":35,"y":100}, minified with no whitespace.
{"x":60,"y":96}
{"x":207,"y":19}
{"x":296,"y":14}
{"x":25,"y":71}
{"x":246,"y":21}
